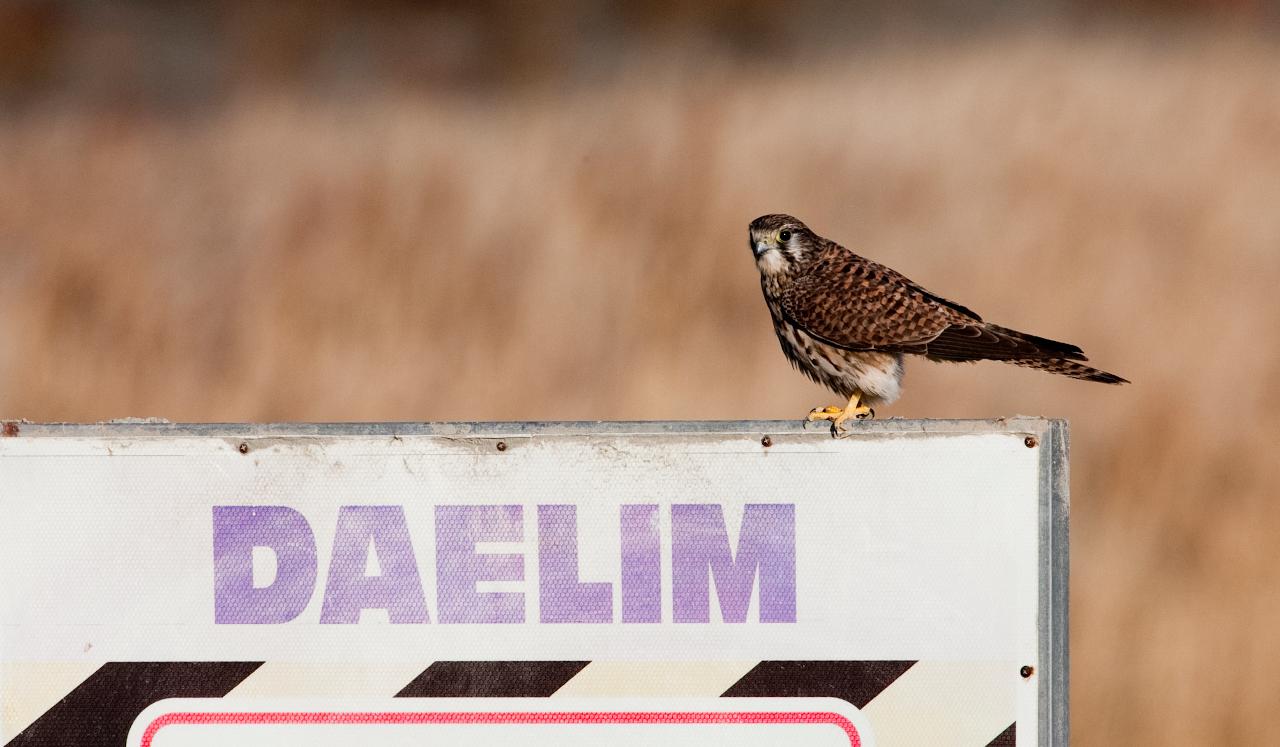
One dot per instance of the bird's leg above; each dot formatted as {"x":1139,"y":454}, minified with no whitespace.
{"x":855,"y":409}
{"x":837,"y":415}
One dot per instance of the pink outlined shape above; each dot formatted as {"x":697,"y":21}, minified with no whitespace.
{"x":503,"y":717}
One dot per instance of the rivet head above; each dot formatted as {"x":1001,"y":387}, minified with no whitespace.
{"x":1027,"y":671}
{"x":1031,"y":442}
{"x":502,"y":446}
{"x":766,"y":442}
{"x":243,"y":448}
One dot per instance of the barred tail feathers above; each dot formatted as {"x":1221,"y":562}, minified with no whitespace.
{"x":1064,"y":367}
{"x":984,"y":341}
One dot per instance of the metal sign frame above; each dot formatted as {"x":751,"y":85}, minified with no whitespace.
{"x":1049,"y":436}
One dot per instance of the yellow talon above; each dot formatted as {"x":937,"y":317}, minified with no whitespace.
{"x":837,"y":415}
{"x":824,"y":413}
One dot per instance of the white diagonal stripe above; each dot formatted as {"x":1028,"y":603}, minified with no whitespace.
{"x":29,"y":688}
{"x":655,"y":678}
{"x":946,"y":702}
{"x":291,"y":679}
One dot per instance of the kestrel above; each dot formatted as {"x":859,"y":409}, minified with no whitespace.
{"x":847,"y":322}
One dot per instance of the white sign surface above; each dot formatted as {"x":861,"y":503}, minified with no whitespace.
{"x":387,"y":544}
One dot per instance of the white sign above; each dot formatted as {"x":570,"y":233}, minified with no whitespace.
{"x":689,"y":547}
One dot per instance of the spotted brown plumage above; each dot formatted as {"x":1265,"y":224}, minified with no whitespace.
{"x":847,"y":322}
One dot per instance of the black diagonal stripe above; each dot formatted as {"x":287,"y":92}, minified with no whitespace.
{"x":855,"y":681}
{"x":100,"y":709}
{"x":1007,"y":738}
{"x":491,"y":679}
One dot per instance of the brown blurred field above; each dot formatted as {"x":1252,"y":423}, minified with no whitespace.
{"x":578,"y":253}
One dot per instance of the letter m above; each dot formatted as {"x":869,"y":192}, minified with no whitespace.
{"x":700,"y":552}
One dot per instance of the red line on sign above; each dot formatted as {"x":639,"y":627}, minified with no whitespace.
{"x":512,"y":717}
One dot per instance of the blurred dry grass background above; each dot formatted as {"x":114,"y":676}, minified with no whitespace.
{"x":553,"y":250}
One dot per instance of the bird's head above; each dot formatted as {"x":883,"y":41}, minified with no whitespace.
{"x":779,"y":243}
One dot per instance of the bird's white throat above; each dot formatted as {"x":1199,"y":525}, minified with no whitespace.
{"x":771,"y":262}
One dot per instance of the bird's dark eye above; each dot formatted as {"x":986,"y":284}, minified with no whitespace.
{"x":784,"y":236}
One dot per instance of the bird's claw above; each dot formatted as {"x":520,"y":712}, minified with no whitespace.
{"x":823,"y":413}
{"x":838,"y":429}
{"x":838,"y":416}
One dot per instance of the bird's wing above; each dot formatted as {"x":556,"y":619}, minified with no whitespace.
{"x":856,"y":304}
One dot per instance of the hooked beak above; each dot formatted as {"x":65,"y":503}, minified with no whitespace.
{"x":762,"y":246}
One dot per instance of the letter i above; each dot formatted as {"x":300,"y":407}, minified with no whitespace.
{"x":641,"y":564}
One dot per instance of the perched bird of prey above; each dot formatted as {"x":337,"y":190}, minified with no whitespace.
{"x":847,"y":322}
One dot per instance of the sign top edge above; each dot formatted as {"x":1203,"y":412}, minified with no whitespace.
{"x":153,"y":427}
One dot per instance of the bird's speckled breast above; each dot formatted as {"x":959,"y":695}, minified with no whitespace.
{"x":877,"y":375}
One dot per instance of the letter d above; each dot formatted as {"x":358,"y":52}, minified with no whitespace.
{"x":239,"y":529}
